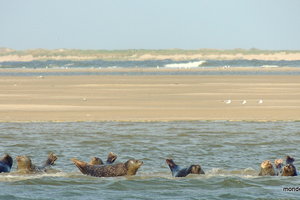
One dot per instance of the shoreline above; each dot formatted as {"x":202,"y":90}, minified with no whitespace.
{"x":154,"y":69}
{"x":135,"y":98}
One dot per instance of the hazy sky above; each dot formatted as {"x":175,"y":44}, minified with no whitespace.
{"x":150,"y":24}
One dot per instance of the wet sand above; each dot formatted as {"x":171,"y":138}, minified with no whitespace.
{"x":149,"y":98}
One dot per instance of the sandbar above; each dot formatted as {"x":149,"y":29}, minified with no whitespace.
{"x":149,"y":98}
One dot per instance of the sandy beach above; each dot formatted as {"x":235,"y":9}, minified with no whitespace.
{"x":148,"y":98}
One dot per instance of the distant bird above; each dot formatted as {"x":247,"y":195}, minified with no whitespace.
{"x":227,"y":101}
{"x":244,"y":102}
{"x":260,"y":101}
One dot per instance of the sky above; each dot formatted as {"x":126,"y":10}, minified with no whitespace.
{"x":150,"y":24}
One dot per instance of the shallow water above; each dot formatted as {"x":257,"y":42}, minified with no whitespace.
{"x":229,"y":152}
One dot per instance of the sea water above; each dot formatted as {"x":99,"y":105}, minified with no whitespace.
{"x":229,"y":152}
{"x":154,"y":64}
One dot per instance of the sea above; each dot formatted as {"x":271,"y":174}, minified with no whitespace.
{"x":230,"y":152}
{"x":178,"y":67}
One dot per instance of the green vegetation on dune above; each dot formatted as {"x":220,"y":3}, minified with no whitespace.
{"x":131,"y":54}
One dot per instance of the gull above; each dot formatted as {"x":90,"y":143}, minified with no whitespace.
{"x":244,"y":102}
{"x":260,"y":101}
{"x":228,"y":101}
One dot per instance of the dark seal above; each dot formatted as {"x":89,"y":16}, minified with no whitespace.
{"x":111,"y":157}
{"x":25,"y":164}
{"x":178,"y":171}
{"x":267,"y":169}
{"x":121,"y":169}
{"x":289,"y":169}
{"x":6,"y":163}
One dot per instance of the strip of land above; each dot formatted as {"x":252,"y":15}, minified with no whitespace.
{"x":11,"y":55}
{"x":149,"y":98}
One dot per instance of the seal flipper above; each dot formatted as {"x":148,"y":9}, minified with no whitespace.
{"x":50,"y":161}
{"x":173,"y":167}
{"x":80,"y":165}
{"x":111,"y":157}
{"x":289,"y":160}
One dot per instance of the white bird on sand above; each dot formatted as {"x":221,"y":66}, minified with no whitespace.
{"x":244,"y":102}
{"x":227,"y":101}
{"x":260,"y":101}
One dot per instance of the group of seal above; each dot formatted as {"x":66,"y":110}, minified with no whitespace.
{"x":96,"y":167}
{"x":267,"y":168}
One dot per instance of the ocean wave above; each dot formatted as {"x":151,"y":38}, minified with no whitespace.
{"x":186,"y":65}
{"x":269,"y":66}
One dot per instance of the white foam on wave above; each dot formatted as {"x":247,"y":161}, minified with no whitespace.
{"x":12,"y":177}
{"x":269,"y":66}
{"x":186,"y":65}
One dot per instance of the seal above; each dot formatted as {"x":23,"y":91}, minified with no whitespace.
{"x":289,"y":169}
{"x":289,"y":160}
{"x":128,"y":168}
{"x":266,"y":169}
{"x":278,"y":167}
{"x":25,"y":164}
{"x":177,"y":171}
{"x":6,"y":163}
{"x":111,"y":157}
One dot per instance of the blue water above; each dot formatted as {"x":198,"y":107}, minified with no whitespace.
{"x":146,"y":64}
{"x":154,"y":64}
{"x":229,"y":152}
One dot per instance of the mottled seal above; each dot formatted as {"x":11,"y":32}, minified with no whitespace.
{"x":25,"y":164}
{"x":266,"y":169}
{"x":289,"y":169}
{"x":6,"y":163}
{"x":177,"y":171}
{"x":111,"y":157}
{"x":121,"y":169}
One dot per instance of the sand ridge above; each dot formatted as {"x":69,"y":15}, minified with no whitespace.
{"x":149,"y":98}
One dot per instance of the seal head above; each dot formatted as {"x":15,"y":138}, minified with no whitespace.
{"x":6,"y":163}
{"x":25,"y":165}
{"x":289,"y":170}
{"x":196,"y":169}
{"x":266,"y":169}
{"x":96,"y":161}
